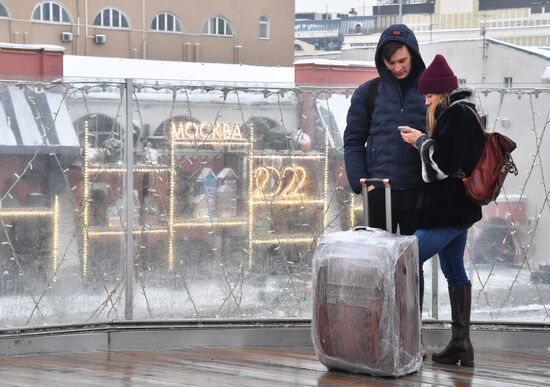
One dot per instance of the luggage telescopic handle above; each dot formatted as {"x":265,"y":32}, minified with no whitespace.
{"x":387,"y":192}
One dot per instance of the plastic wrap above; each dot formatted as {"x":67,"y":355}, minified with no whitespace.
{"x":366,"y":315}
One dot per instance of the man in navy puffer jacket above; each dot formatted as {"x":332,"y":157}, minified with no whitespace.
{"x":385,"y":155}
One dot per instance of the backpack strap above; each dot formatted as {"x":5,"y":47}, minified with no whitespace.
{"x":372,"y":91}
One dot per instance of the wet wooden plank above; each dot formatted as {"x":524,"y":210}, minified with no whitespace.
{"x":265,"y":367}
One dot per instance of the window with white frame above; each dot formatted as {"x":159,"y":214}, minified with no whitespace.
{"x":508,"y":82}
{"x":217,"y":26}
{"x":3,"y":11}
{"x":264,"y":27}
{"x":111,"y":17}
{"x":52,"y":12}
{"x":166,"y":22}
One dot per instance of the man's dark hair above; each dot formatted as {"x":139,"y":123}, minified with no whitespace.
{"x":390,"y":48}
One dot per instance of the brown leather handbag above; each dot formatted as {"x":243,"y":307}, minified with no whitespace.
{"x":495,"y":163}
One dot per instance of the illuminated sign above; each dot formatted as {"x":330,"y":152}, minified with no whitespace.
{"x":272,"y":181}
{"x":206,"y":131}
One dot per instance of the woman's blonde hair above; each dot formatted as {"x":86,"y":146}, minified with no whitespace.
{"x":440,"y":100}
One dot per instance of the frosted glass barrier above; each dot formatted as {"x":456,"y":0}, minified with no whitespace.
{"x":230,"y":190}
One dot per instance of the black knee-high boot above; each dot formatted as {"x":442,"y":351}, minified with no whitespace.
{"x":459,"y":349}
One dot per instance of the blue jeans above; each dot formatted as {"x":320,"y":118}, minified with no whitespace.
{"x":449,"y":243}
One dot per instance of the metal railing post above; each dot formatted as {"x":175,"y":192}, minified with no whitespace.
{"x":129,"y":217}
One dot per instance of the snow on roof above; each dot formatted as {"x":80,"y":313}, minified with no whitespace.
{"x":335,"y":62}
{"x":99,"y":68}
{"x":544,"y":51}
{"x":538,"y":51}
{"x":45,"y":47}
{"x":226,"y":173}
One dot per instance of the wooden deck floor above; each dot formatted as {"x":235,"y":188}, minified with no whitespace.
{"x":263,"y":367}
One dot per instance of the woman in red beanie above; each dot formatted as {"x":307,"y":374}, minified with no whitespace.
{"x":453,"y":145}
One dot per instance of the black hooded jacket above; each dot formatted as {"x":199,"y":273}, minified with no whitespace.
{"x":386,"y":155}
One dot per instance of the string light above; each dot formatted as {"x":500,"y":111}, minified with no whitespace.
{"x":211,"y":143}
{"x":116,"y":170}
{"x":100,"y":232}
{"x":5,"y":213}
{"x":55,"y":236}
{"x":250,"y":202}
{"x":325,"y":180}
{"x":171,"y":203}
{"x":86,"y":202}
{"x":293,"y":156}
{"x":283,"y":240}
{"x":211,"y":223}
{"x":284,"y":202}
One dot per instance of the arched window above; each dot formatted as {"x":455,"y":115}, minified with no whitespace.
{"x":111,"y":17}
{"x":217,"y":26}
{"x":3,"y":11}
{"x":100,"y":128}
{"x":52,"y":12}
{"x":264,"y":27}
{"x":166,"y":22}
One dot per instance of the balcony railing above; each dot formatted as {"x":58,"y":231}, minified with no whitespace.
{"x":230,"y":189}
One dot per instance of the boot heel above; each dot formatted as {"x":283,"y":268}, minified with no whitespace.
{"x":466,"y":361}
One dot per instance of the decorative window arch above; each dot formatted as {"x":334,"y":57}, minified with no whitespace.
{"x":111,"y":17}
{"x":51,"y":12}
{"x":166,"y":22}
{"x":218,"y":25}
{"x":3,"y":10}
{"x":264,"y":27}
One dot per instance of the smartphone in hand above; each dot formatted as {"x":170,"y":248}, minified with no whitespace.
{"x":402,"y":128}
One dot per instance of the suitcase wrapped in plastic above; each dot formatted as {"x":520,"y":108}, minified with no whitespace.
{"x":366,"y":315}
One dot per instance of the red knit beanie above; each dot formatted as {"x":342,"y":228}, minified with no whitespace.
{"x":438,"y":78}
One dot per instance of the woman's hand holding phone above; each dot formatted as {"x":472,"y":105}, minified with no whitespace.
{"x":409,"y":134}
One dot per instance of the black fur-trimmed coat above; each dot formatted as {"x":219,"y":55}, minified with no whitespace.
{"x":456,"y":144}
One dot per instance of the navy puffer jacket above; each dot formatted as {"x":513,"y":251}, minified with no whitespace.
{"x":386,"y":155}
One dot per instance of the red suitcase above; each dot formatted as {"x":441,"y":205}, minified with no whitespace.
{"x":366,"y":316}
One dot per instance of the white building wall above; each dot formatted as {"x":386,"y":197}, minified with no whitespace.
{"x":478,"y":62}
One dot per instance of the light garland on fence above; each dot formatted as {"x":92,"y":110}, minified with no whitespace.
{"x":86,"y":209}
{"x":171,"y":204}
{"x":325,"y":181}
{"x":116,"y":170}
{"x":55,"y":236}
{"x":250,"y":202}
{"x":283,"y":240}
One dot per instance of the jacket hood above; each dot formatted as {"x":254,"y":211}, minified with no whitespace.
{"x":399,"y":33}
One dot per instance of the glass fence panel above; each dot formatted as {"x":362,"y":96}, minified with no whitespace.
{"x":231,"y":189}
{"x":53,"y":204}
{"x":507,"y":252}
